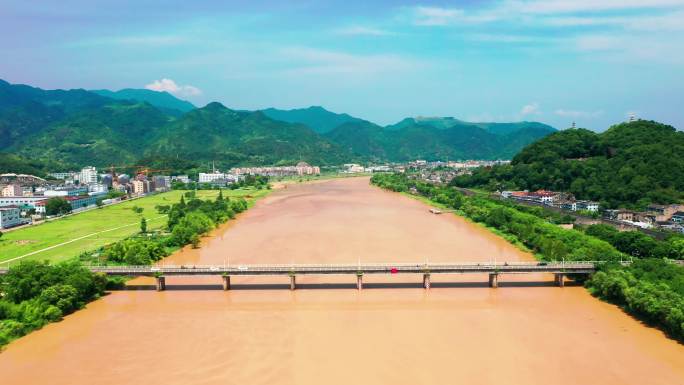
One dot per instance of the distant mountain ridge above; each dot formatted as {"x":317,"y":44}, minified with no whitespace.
{"x":162,"y":100}
{"x":437,"y":139}
{"x":316,"y":117}
{"x":72,"y":128}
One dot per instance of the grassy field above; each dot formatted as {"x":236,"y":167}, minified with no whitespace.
{"x":67,"y":237}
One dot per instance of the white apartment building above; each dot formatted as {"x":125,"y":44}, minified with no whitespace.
{"x":216,"y":176}
{"x":88,"y":175}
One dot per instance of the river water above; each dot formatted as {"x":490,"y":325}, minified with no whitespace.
{"x":392,"y":332}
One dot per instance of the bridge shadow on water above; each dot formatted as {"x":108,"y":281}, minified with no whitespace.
{"x":347,"y":286}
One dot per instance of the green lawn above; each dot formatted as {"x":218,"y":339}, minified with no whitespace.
{"x":95,"y":228}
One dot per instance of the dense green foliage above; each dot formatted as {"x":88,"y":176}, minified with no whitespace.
{"x":638,"y":244}
{"x":36,"y":293}
{"x":651,"y":289}
{"x":629,"y":165}
{"x":436,"y":139}
{"x":10,"y":163}
{"x":547,"y":240}
{"x":57,"y":206}
{"x":186,"y":223}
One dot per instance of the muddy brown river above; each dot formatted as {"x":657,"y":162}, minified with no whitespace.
{"x":392,"y":332}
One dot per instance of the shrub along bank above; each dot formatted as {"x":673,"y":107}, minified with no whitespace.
{"x":651,"y":288}
{"x":186,"y":223}
{"x":37,"y":293}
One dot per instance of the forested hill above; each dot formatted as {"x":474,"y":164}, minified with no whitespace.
{"x":629,"y":165}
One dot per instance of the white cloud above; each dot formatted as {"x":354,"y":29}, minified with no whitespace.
{"x":530,"y":109}
{"x":172,"y":87}
{"x":577,"y":113}
{"x":436,"y":15}
{"x":358,"y":30}
{"x":576,"y":6}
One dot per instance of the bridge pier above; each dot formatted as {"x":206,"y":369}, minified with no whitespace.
{"x":493,"y":280}
{"x":359,"y":281}
{"x":226,"y":282}
{"x":293,"y":282}
{"x":161,"y":283}
{"x":426,"y":280}
{"x":559,"y":279}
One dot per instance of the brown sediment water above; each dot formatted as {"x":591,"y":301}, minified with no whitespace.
{"x":392,"y":332}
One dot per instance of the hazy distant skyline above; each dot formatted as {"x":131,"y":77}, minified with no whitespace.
{"x":554,"y":61}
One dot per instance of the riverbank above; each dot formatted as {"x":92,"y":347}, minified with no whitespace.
{"x":393,"y":331}
{"x":650,"y":289}
{"x":65,"y":238}
{"x":38,"y":293}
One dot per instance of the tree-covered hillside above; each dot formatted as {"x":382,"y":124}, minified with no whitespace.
{"x":629,"y":165}
{"x":239,"y":137}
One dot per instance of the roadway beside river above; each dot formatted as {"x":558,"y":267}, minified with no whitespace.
{"x":525,"y":332}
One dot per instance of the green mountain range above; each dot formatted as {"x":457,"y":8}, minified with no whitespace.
{"x":629,"y":165}
{"x":67,"y":129}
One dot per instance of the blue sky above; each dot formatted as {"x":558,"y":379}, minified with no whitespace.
{"x":555,"y":61}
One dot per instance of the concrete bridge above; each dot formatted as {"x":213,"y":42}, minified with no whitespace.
{"x":160,"y":272}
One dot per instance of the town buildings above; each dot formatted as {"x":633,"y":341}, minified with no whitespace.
{"x":301,"y":169}
{"x":560,"y":200}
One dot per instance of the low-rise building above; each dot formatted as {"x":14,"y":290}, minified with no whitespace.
{"x":77,"y":203}
{"x":28,"y":202}
{"x":70,"y":191}
{"x":10,"y":216}
{"x":161,"y":182}
{"x":181,"y":178}
{"x":588,"y":206}
{"x":663,"y":213}
{"x":141,"y":186}
{"x":678,"y":217}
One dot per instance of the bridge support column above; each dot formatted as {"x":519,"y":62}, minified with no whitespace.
{"x":226,"y":282}
{"x":161,"y":283}
{"x":359,"y":281}
{"x":559,"y":279}
{"x":426,"y":280}
{"x":493,"y":280}
{"x":293,"y":282}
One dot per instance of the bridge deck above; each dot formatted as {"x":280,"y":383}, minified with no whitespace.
{"x":372,"y":268}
